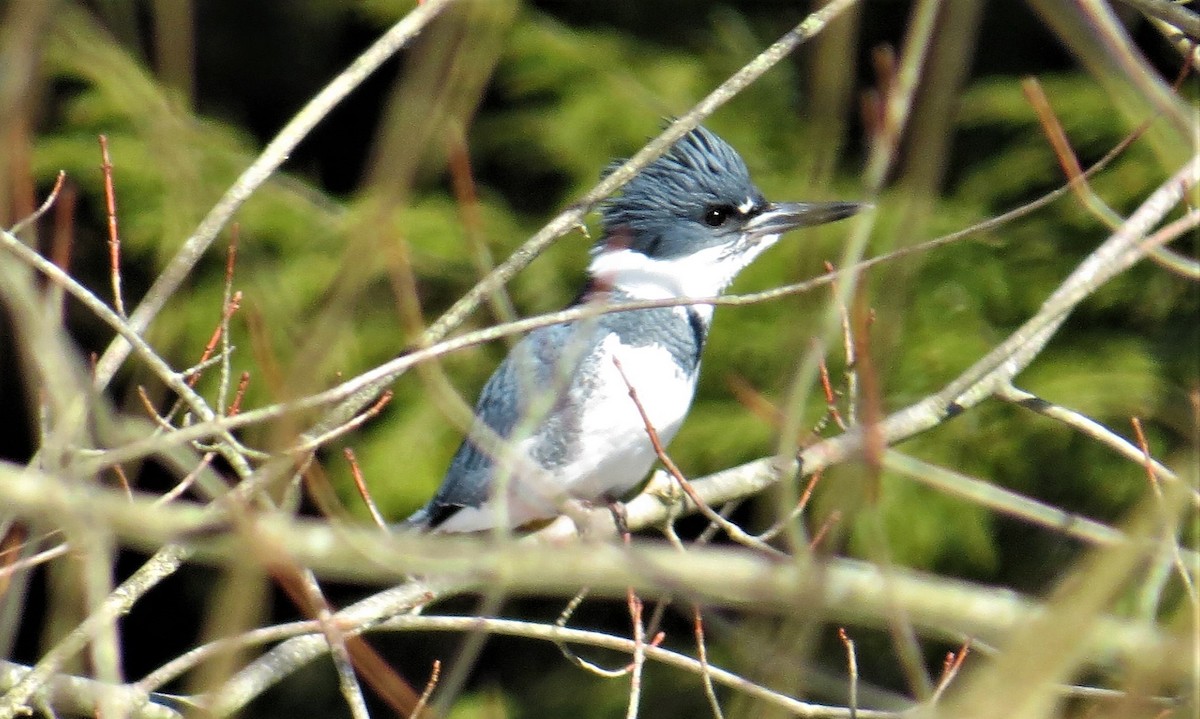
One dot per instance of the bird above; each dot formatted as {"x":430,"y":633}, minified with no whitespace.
{"x":556,"y":421}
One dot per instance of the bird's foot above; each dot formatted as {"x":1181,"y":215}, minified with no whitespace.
{"x":620,"y":517}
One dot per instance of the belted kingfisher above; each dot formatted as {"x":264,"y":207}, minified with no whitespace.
{"x":682,"y":228}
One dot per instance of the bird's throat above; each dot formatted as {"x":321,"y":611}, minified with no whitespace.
{"x":705,"y":273}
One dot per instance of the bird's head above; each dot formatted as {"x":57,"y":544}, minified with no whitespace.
{"x":691,"y":220}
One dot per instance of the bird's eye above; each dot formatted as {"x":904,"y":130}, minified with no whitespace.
{"x":717,"y":215}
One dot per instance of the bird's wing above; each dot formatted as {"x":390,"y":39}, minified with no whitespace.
{"x":533,"y":364}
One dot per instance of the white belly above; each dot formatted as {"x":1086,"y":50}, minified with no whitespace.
{"x":616,"y":452}
{"x":612,"y":451}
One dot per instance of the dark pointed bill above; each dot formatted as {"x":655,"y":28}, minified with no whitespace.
{"x":780,"y":217}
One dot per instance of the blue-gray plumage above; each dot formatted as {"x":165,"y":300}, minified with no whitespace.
{"x":558,"y":408}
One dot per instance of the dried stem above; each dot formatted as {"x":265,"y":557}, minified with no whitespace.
{"x":114,"y":239}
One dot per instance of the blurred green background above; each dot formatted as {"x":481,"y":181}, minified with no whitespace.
{"x":504,"y":112}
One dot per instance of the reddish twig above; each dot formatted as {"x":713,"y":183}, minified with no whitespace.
{"x":114,"y":239}
{"x":871,"y":405}
{"x":467,"y":198}
{"x":227,"y":299}
{"x":430,"y":685}
{"x":1149,"y":459}
{"x":353,"y":424}
{"x":239,"y":395}
{"x":735,"y":532}
{"x":1077,"y":179}
{"x":830,"y":395}
{"x":11,"y":543}
{"x":356,"y":472}
{"x":235,"y":302}
{"x":801,"y":505}
{"x":752,"y":400}
{"x":1057,"y":137}
{"x":808,"y":490}
{"x":875,"y":99}
{"x":639,"y":648}
{"x":231,"y":252}
{"x":123,"y":480}
{"x":950,"y":667}
{"x":148,"y":405}
{"x":350,"y":653}
{"x":834,"y":517}
{"x":705,"y":670}
{"x":266,"y":360}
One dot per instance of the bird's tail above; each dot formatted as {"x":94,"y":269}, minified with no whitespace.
{"x":418,"y":521}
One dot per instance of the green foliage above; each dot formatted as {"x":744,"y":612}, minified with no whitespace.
{"x":1109,"y":361}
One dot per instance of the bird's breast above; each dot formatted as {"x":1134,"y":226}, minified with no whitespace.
{"x":613,"y":450}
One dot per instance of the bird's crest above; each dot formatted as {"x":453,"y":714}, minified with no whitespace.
{"x":698,"y":170}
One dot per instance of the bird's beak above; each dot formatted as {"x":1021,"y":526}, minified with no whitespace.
{"x":781,"y":217}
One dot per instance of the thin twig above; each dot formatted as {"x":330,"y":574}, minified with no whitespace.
{"x":347,"y":427}
{"x":830,"y":397}
{"x":114,"y":239}
{"x":1052,"y":128}
{"x":227,"y":300}
{"x":834,"y":517}
{"x":192,"y":658}
{"x":20,"y":565}
{"x":639,"y":653}
{"x":852,"y":670}
{"x":1067,"y":160}
{"x":62,"y":242}
{"x":1005,"y":501}
{"x":307,"y":595}
{"x":1086,"y":425}
{"x":570,"y":655}
{"x":188,"y":480}
{"x":1172,"y":13}
{"x":41,"y":210}
{"x":702,"y":653}
{"x":363,"y":492}
{"x":467,"y":199}
{"x":851,"y":358}
{"x":197,"y":368}
{"x":508,"y":627}
{"x":123,"y":480}
{"x":219,"y":332}
{"x":148,"y":405}
{"x":236,"y":406}
{"x":430,"y":685}
{"x":735,"y":532}
{"x":772,"y":531}
{"x":950,"y":667}
{"x":1168,"y":538}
